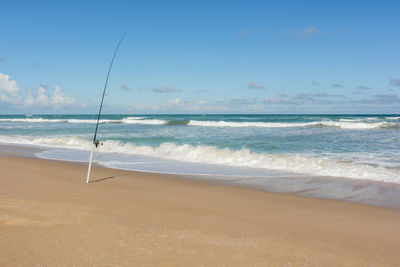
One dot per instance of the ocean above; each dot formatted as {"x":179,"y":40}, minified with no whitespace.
{"x":249,"y":149}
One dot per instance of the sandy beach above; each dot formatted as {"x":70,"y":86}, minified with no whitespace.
{"x":214,"y":133}
{"x":50,"y":217}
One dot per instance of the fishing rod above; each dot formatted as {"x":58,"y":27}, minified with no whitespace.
{"x":95,"y":142}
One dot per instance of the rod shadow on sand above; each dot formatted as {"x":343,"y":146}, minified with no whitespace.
{"x":110,"y":177}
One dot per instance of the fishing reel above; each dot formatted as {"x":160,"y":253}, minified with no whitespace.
{"x":97,"y":143}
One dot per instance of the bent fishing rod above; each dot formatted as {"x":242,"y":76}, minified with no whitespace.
{"x":95,"y":142}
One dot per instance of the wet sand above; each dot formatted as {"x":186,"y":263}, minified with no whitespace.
{"x":50,"y":217}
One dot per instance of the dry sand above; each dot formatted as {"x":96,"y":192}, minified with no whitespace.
{"x":50,"y":217}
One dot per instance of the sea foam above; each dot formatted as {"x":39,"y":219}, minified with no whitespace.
{"x":224,"y":156}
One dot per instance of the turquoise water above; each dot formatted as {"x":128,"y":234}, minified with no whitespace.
{"x":345,"y":146}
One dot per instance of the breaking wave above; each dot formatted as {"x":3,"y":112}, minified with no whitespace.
{"x":128,"y":120}
{"x":41,"y":120}
{"x":141,"y":120}
{"x":338,"y":124}
{"x":369,"y":123}
{"x":359,"y":125}
{"x":249,"y":124}
{"x":227,"y":157}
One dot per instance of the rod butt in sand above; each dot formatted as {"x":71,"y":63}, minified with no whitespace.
{"x":90,"y":164}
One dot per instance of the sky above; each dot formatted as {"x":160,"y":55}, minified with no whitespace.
{"x":200,"y":57}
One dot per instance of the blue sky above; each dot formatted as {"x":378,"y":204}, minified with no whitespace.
{"x":201,"y":56}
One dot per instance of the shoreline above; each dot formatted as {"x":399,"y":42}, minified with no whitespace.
{"x":374,"y":193}
{"x":50,"y":216}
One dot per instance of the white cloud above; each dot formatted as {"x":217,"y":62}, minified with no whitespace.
{"x":59,"y":100}
{"x":29,"y":99}
{"x":42,"y":99}
{"x":56,"y":100}
{"x":301,"y":102}
{"x":10,"y":93}
{"x":303,"y":33}
{"x":7,"y":85}
{"x":9,"y":90}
